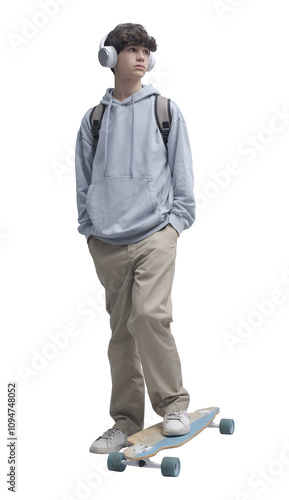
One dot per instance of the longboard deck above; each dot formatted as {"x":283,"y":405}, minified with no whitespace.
{"x":150,"y":441}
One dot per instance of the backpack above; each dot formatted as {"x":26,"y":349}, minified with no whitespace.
{"x":162,"y":114}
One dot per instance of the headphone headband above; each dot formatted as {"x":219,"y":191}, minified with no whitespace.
{"x":107,"y":56}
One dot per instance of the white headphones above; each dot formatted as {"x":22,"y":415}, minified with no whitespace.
{"x":107,"y":56}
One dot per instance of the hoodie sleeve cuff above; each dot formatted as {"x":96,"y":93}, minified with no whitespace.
{"x":88,"y":233}
{"x":85,"y":230}
{"x":178,"y":223}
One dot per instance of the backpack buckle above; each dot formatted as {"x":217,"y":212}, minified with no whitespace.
{"x":95,"y":128}
{"x":95,"y":133}
{"x":165,"y":130}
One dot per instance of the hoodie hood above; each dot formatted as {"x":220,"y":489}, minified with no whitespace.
{"x":146,"y":91}
{"x":109,"y":101}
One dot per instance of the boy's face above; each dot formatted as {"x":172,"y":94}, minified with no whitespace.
{"x":132,"y":62}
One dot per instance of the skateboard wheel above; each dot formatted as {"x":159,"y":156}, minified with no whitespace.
{"x":114,"y":462}
{"x":227,"y":426}
{"x":170,"y":467}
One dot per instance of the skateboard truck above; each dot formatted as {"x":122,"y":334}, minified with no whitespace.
{"x":147,"y":462}
{"x":226,"y":426}
{"x":170,"y":466}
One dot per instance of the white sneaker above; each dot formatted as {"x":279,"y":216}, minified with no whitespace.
{"x":176,"y":423}
{"x":111,"y":440}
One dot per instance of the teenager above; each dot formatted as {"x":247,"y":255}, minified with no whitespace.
{"x":135,"y":197}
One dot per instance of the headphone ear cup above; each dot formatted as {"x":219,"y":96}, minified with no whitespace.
{"x":107,"y":57}
{"x":152,"y":61}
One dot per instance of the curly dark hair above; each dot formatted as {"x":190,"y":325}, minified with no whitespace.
{"x":127,"y":34}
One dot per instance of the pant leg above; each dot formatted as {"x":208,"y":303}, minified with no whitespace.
{"x":149,"y":322}
{"x":128,"y":393}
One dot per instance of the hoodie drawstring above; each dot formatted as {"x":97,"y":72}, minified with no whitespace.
{"x":106,"y":137}
{"x":132,"y":142}
{"x":131,"y":163}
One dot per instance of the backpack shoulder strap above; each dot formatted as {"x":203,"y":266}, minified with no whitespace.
{"x":163,"y":116}
{"x":162,"y":113}
{"x":95,"y":121}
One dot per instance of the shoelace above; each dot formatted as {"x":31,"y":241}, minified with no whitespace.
{"x":172,"y":415}
{"x":111,"y":434}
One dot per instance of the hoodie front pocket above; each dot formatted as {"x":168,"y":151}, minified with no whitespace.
{"x":123,"y":205}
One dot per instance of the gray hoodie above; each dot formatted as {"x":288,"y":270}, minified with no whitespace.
{"x":134,"y":186}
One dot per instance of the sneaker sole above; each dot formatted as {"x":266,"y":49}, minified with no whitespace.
{"x":106,"y":451}
{"x":176,"y":433}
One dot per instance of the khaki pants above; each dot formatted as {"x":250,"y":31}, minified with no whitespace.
{"x":138,"y":281}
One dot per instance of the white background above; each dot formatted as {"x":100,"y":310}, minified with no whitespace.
{"x":226,"y":66}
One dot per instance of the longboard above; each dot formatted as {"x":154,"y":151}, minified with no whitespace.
{"x":148,"y":442}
